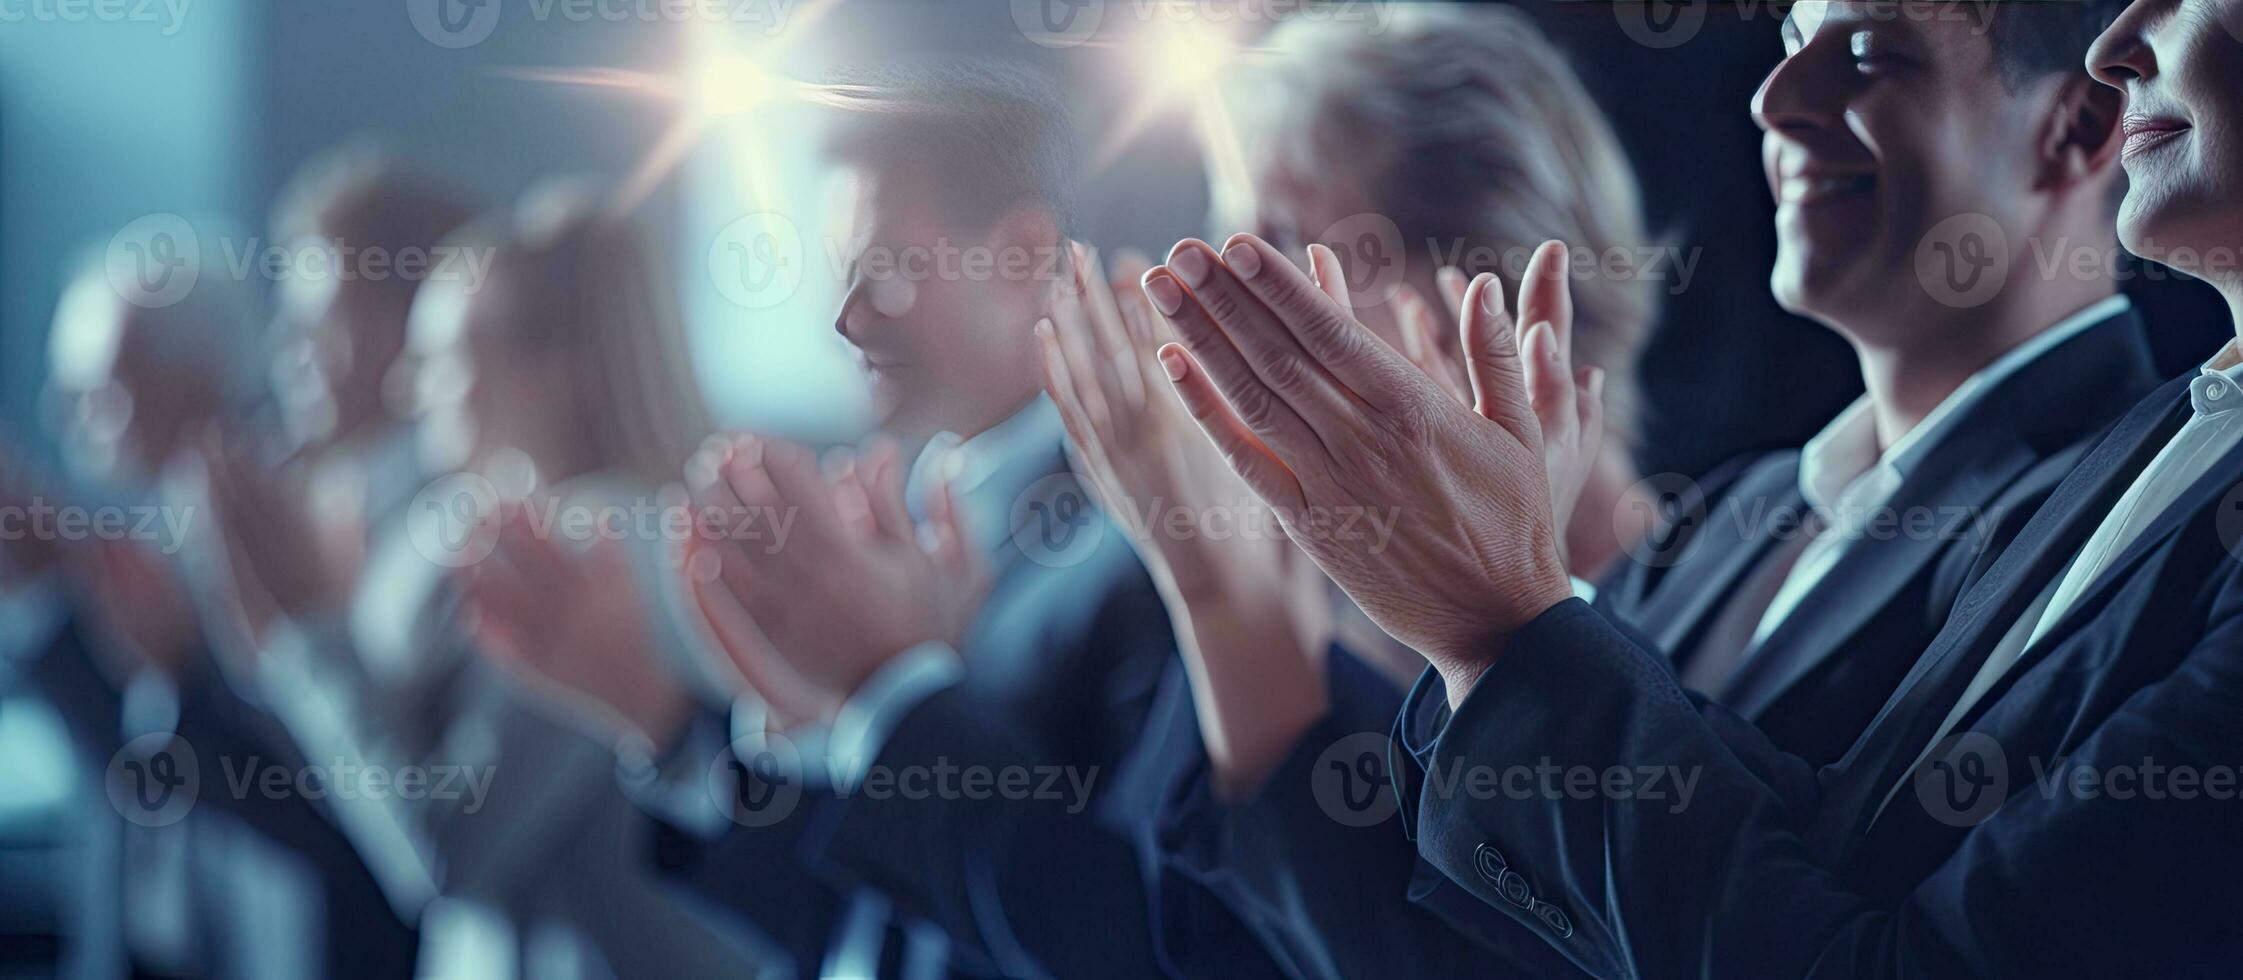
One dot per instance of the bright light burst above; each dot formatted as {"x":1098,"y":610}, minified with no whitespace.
{"x":1176,"y":57}
{"x":721,"y":82}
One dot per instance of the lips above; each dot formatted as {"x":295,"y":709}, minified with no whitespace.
{"x":1812,"y":187}
{"x":2144,"y":132}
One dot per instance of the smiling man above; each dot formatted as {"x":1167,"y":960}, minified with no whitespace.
{"x":1921,"y":156}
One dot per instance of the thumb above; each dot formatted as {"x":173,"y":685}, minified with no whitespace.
{"x":1491,"y":357}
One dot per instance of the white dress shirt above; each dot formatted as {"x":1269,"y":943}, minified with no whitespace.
{"x":1849,"y":480}
{"x":2213,"y":430}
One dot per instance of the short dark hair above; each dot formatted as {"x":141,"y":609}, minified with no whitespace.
{"x":2036,"y":38}
{"x":993,"y":135}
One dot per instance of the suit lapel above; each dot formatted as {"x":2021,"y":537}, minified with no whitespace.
{"x":2214,"y":484}
{"x":1743,"y":524}
{"x":1866,"y":578}
{"x":1985,"y":613}
{"x":2044,"y":407}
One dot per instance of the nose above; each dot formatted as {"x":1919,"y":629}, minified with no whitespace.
{"x":856,"y":310}
{"x":2122,"y":53}
{"x":1788,"y":100}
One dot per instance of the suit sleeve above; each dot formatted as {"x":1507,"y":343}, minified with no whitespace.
{"x":1724,"y":881}
{"x":1316,"y":861}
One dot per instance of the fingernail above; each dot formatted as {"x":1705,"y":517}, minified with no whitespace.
{"x":1043,"y":328}
{"x":1243,"y":260}
{"x":1162,"y":290}
{"x":1190,"y":264}
{"x":1172,"y":361}
{"x":1491,"y":294}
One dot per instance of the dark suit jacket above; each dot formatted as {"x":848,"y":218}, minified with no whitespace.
{"x":1887,"y":596}
{"x":364,"y":935}
{"x":1981,"y":864}
{"x":1315,"y":862}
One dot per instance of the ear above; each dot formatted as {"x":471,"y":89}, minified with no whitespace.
{"x":2080,"y":140}
{"x":1030,"y":230}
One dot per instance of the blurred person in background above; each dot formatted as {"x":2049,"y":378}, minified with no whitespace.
{"x":246,"y":884}
{"x":560,"y":382}
{"x":916,"y":615}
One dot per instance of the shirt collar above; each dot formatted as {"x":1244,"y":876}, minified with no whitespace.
{"x":2218,"y":388}
{"x":968,"y":463}
{"x":1846,"y":450}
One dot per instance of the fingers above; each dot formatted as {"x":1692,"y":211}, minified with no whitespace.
{"x":1546,"y":294}
{"x":1324,"y":267}
{"x":1251,"y":397}
{"x":1338,"y":348}
{"x":1491,"y":357}
{"x":790,"y":479}
{"x":1070,"y":326}
{"x":880,"y":475}
{"x":1550,"y":387}
{"x":951,"y":543}
{"x":1589,"y":392}
{"x":1111,"y":336}
{"x":1453,"y":283}
{"x":1241,"y":448}
{"x":1422,"y":343}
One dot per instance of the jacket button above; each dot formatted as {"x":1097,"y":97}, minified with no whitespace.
{"x":1514,"y":889}
{"x":1489,"y":861}
{"x":1555,"y":919}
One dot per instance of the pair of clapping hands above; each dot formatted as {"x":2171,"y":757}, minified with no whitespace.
{"x":1476,"y":451}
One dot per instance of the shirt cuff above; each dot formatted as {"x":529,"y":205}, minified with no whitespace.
{"x":862,"y":726}
{"x":684,"y":785}
{"x":1584,"y":589}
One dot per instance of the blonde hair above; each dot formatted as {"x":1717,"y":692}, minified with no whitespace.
{"x":1471,"y":130}
{"x":581,"y":284}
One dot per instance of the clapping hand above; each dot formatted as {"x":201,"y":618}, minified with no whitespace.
{"x":282,"y":559}
{"x":574,"y":627}
{"x":1319,"y":416}
{"x":1569,"y":404}
{"x":1251,"y":610}
{"x":849,"y":582}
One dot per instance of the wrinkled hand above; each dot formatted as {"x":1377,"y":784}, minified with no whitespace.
{"x":574,"y":627}
{"x":849,"y":582}
{"x":282,"y":558}
{"x":1568,"y":401}
{"x":1324,"y":421}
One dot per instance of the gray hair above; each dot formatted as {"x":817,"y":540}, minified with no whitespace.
{"x":1471,"y":130}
